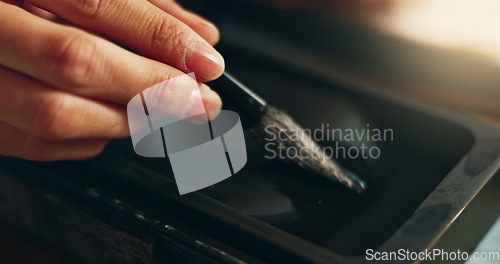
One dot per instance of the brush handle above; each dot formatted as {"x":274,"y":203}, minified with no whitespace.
{"x":236,"y":96}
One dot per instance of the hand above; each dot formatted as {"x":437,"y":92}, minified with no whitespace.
{"x":63,"y":86}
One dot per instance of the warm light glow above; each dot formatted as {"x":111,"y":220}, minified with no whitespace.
{"x":466,"y":25}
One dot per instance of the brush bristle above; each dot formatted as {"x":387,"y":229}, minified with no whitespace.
{"x":276,"y":122}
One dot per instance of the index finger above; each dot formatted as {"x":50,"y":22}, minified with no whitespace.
{"x":145,"y":28}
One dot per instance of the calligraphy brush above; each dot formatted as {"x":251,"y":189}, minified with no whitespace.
{"x":266,"y":121}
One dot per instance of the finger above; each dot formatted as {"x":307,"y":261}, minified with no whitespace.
{"x":39,"y":12}
{"x":204,"y":28}
{"x":13,"y":2}
{"x":55,"y":114}
{"x":18,"y":143}
{"x":145,"y":28}
{"x":85,"y":64}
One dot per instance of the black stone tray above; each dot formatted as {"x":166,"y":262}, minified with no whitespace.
{"x":434,"y":186}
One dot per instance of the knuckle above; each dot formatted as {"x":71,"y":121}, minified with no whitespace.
{"x":119,"y":128}
{"x":89,"y":8}
{"x":170,"y":96}
{"x":165,"y":34}
{"x":54,"y":118}
{"x":71,"y":58}
{"x":159,"y":75}
{"x":151,"y":77}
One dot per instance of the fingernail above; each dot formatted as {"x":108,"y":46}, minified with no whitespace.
{"x":195,"y":104}
{"x":211,"y":100}
{"x":207,"y":101}
{"x":204,"y":61}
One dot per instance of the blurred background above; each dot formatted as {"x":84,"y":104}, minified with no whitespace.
{"x":443,"y":52}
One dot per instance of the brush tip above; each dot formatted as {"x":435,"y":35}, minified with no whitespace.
{"x":333,"y":171}
{"x":276,"y":122}
{"x":355,"y":183}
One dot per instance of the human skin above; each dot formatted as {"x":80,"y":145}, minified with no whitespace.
{"x":69,"y":67}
